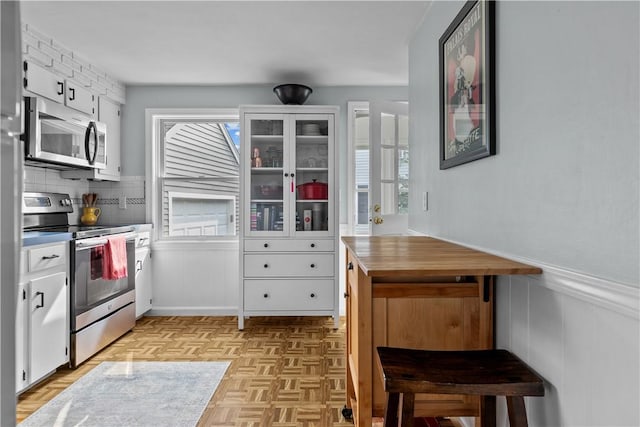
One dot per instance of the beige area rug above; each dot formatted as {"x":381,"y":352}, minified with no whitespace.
{"x":134,"y":394}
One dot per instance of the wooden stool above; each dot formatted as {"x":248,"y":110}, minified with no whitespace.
{"x":477,"y":372}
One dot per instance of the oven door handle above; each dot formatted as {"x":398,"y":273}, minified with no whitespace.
{"x":95,"y":242}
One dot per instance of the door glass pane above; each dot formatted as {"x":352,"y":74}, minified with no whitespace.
{"x":267,"y":172}
{"x":387,"y":163}
{"x":312,"y":175}
{"x":362,"y":172}
{"x":388,"y":123}
{"x":388,"y":202}
{"x":403,"y":131}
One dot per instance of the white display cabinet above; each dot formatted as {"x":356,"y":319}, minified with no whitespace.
{"x":289,"y":212}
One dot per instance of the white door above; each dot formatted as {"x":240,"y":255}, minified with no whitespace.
{"x":389,"y":168}
{"x":49,"y":331}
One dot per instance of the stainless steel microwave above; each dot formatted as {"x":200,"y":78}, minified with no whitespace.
{"x":59,"y":135}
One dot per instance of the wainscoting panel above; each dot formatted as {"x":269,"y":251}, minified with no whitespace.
{"x":586,"y":351}
{"x":195,"y":279}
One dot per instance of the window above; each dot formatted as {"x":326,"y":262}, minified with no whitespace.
{"x":196,"y":175}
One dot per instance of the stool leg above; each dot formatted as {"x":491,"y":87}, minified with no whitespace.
{"x":406,"y":419}
{"x":517,"y":411}
{"x":487,"y":411}
{"x":391,"y":410}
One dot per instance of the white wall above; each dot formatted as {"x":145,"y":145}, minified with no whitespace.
{"x":140,"y":98}
{"x":203,"y":278}
{"x":562,"y":192}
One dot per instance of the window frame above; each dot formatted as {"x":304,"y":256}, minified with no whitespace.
{"x":154,"y":118}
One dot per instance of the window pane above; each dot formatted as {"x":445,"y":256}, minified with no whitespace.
{"x":199,"y":215}
{"x":198,"y":178}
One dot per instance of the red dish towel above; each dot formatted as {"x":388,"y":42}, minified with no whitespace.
{"x":115,"y":259}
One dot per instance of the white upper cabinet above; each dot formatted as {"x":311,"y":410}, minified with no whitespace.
{"x":40,"y":81}
{"x":43,"y":82}
{"x":79,"y":98}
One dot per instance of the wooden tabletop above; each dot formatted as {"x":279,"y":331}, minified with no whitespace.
{"x":380,"y":256}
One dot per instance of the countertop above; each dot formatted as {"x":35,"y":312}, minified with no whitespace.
{"x":385,"y":256}
{"x":31,"y":238}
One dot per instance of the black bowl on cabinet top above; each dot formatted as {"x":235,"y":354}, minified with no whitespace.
{"x":292,"y":93}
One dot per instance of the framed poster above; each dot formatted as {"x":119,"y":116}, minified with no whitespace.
{"x":467,"y":86}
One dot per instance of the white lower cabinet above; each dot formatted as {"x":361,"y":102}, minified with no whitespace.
{"x":143,"y":281}
{"x":48,"y":331}
{"x":42,"y":313}
{"x":21,"y":343}
{"x":144,"y":291}
{"x":301,"y":296}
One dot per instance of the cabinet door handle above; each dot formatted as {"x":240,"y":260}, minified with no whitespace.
{"x":346,"y":295}
{"x":313,"y":266}
{"x":313,"y":245}
{"x":41,"y":295}
{"x":350,"y":266}
{"x":73,"y":94}
{"x":266,"y":245}
{"x":60,"y":88}
{"x":138,"y":265}
{"x":54,"y":256}
{"x":286,"y":174}
{"x":313,"y":295}
{"x":266,"y":295}
{"x":266,"y":266}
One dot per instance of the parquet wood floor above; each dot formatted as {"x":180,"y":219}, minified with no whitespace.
{"x":285,"y":371}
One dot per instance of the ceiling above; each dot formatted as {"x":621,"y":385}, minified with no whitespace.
{"x":318,"y":43}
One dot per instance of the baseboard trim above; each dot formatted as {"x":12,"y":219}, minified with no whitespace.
{"x":618,"y":297}
{"x":193,"y":311}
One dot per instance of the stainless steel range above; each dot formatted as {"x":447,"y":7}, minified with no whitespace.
{"x":101,"y":310}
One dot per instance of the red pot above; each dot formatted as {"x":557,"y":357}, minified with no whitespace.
{"x":313,"y":191}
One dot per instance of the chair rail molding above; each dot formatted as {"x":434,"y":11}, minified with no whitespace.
{"x":619,"y":297}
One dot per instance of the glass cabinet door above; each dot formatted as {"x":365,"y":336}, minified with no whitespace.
{"x":265,"y":151}
{"x":313,"y":160}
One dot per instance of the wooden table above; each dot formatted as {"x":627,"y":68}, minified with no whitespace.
{"x":423,"y":293}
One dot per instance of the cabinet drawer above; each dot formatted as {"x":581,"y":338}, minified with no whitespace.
{"x":275,"y":245}
{"x":46,"y":257}
{"x":288,"y":265}
{"x":288,"y":295}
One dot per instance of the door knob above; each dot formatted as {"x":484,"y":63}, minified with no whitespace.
{"x":378,"y":220}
